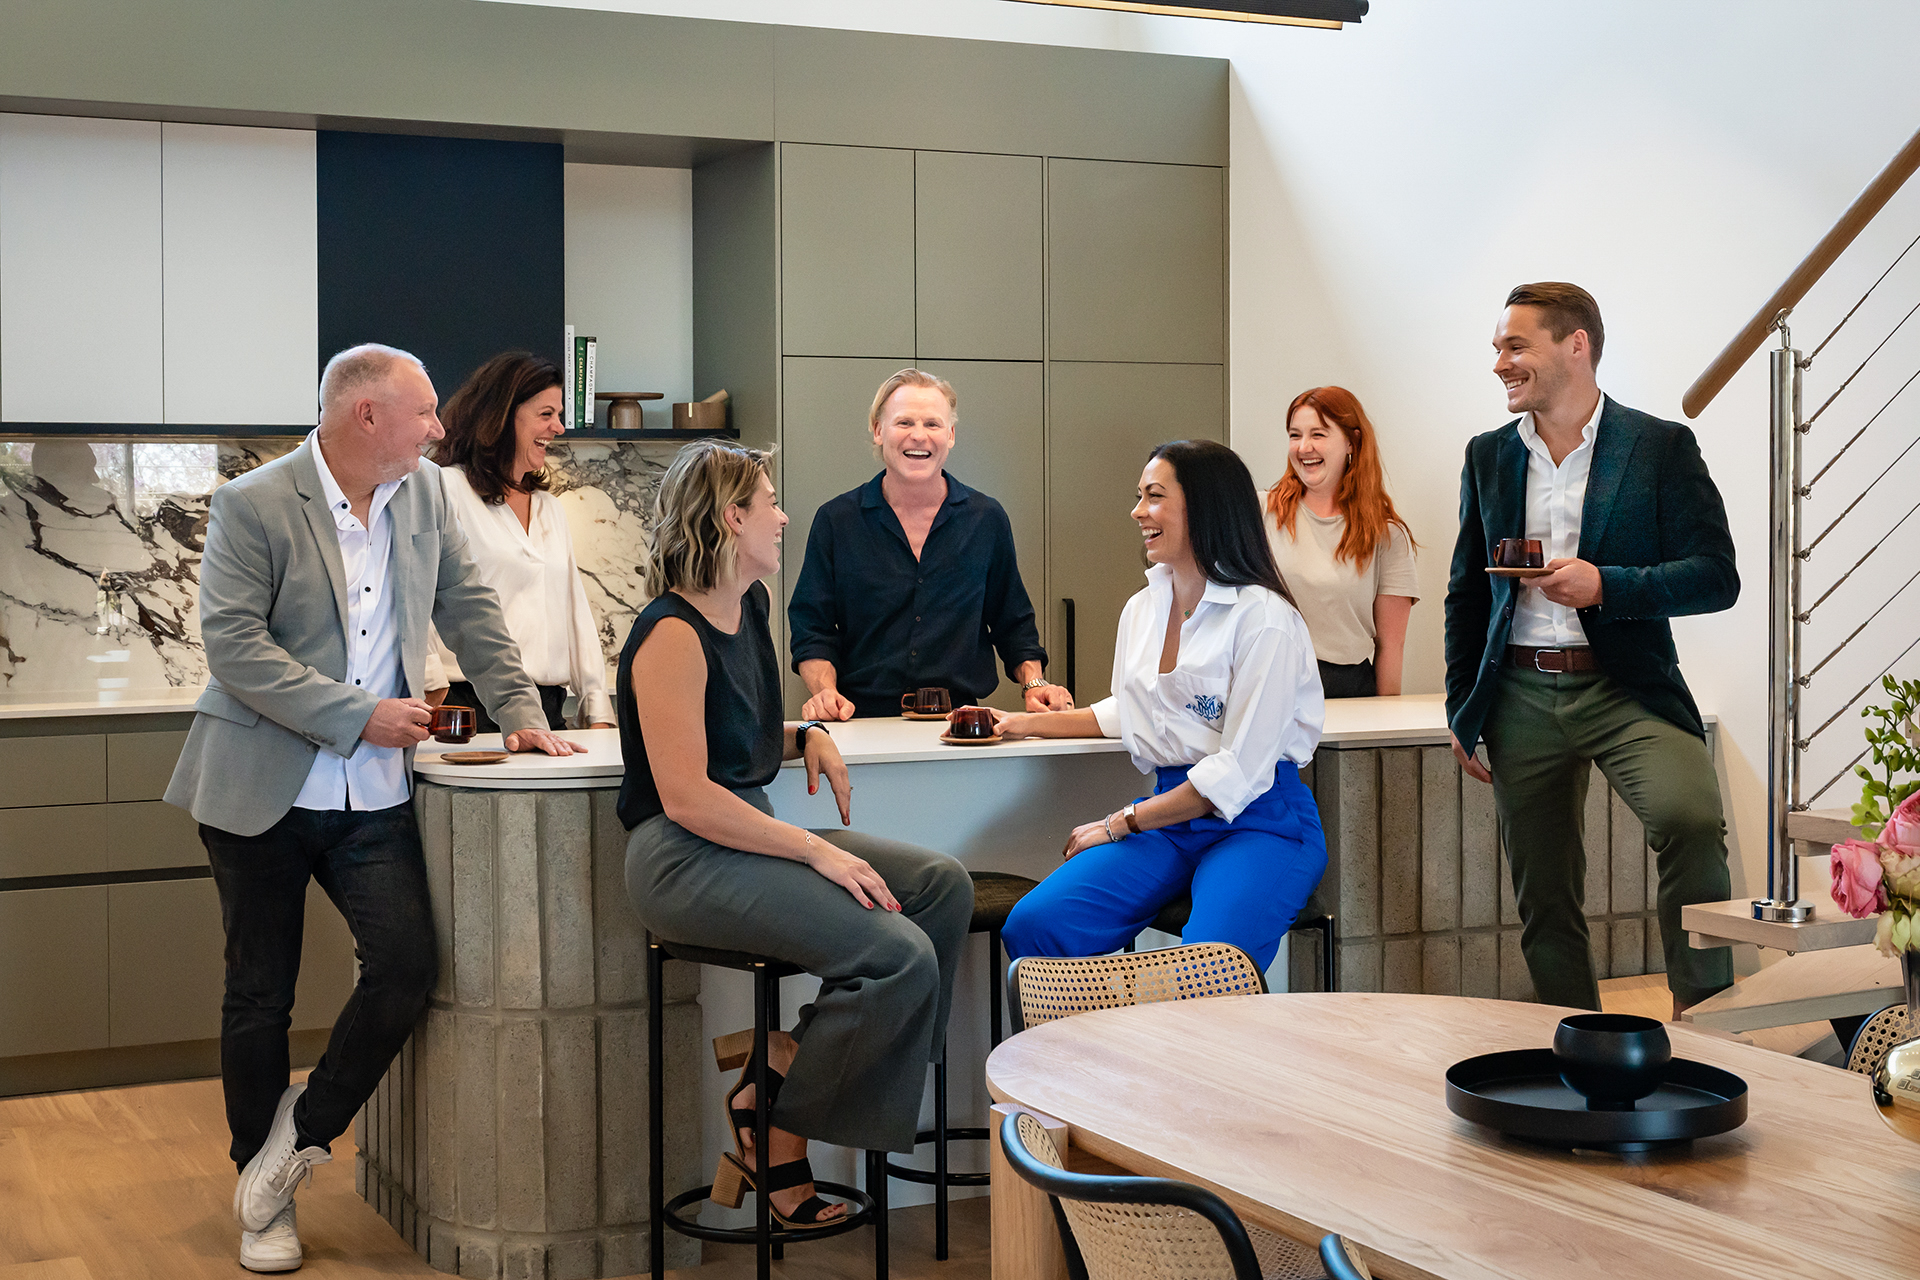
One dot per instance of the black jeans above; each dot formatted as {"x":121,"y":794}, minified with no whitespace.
{"x":553,"y":697}
{"x":1344,"y":680}
{"x":370,"y":865}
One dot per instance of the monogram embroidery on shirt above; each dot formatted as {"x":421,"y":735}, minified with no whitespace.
{"x":1207,"y":707}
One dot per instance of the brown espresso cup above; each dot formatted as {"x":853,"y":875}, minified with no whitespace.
{"x":927,"y":702}
{"x":452,"y":724}
{"x":971,"y":722}
{"x":1519,"y":553}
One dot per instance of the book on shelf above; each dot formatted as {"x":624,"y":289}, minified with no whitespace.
{"x":587,"y":403}
{"x":581,"y":415}
{"x":566,"y":379}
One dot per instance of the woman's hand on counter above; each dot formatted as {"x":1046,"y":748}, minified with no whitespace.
{"x":1077,"y":723}
{"x":822,"y":757}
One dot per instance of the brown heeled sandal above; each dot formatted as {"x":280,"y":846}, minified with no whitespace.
{"x":736,"y":1050}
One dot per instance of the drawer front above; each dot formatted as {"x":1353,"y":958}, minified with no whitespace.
{"x":53,"y":970}
{"x":59,"y":840}
{"x":139,"y":765}
{"x":71,"y":769}
{"x":151,"y":833}
{"x":166,"y":945}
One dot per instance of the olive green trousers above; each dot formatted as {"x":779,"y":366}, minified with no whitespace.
{"x":1541,"y":732}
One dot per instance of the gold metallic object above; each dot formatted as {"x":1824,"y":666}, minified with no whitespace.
{"x":1896,"y":1081}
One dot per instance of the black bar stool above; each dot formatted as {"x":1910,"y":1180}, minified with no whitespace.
{"x":1174,"y":916}
{"x":868,"y":1207}
{"x":994,"y":896}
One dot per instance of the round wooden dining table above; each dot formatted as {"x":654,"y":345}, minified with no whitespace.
{"x":1316,"y":1113}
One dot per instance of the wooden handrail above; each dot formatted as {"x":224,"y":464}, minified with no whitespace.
{"x":1868,"y":203}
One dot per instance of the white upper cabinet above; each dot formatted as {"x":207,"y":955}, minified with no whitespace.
{"x":240,"y":295}
{"x":80,"y":277}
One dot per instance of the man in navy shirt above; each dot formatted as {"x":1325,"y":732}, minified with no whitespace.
{"x":910,"y":580}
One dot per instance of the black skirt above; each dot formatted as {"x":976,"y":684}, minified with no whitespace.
{"x":1348,"y":680}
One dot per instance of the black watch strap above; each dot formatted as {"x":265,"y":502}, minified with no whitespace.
{"x":800,"y":733}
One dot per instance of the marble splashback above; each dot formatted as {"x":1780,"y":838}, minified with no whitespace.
{"x":100,"y":551}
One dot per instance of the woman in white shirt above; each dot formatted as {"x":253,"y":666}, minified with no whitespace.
{"x":1340,"y":545}
{"x":493,"y":465}
{"x":1215,"y":689}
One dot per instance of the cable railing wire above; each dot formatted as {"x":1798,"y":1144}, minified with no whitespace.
{"x":1858,"y":369}
{"x":1807,"y":615}
{"x":1863,"y":299}
{"x":1808,"y":802}
{"x":1848,"y":704}
{"x":1807,"y":488}
{"x":1870,"y":484}
{"x":1857,"y":630}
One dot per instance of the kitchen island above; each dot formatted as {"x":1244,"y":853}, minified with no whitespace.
{"x":511,"y":1134}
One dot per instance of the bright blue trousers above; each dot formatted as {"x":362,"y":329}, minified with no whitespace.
{"x":1249,"y":879}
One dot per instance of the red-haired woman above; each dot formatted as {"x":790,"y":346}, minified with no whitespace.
{"x":1345,"y":553}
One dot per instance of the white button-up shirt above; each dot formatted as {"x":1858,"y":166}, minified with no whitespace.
{"x":533,"y":572}
{"x":1555,"y":496}
{"x":1243,"y":694}
{"x":373,"y":777}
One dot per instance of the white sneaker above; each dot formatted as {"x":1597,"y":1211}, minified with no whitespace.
{"x":275,"y":1247}
{"x":276,"y":1171}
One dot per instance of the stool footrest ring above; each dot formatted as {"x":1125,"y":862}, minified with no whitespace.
{"x":927,"y":1177}
{"x":860,"y":1214}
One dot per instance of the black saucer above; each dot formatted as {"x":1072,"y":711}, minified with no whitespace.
{"x":1520,"y":1093}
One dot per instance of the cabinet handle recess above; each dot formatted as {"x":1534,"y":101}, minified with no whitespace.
{"x":1072,"y":690}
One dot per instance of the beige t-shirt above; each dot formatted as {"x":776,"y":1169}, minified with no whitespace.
{"x":1335,"y":598}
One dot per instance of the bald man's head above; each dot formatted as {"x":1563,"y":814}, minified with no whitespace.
{"x":377,"y":412}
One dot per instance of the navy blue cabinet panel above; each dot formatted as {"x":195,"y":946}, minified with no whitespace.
{"x":451,"y":248}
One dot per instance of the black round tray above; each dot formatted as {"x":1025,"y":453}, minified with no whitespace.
{"x":1520,"y":1093}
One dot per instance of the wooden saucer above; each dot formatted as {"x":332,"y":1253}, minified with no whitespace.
{"x":473,"y":757}
{"x":952,"y":741}
{"x":1500,"y":572}
{"x":923,"y":715}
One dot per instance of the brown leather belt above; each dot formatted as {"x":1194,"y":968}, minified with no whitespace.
{"x":1552,"y":661}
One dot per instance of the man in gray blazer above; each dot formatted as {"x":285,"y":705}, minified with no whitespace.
{"x":321,"y":574}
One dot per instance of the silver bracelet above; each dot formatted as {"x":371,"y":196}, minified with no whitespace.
{"x":1107,"y":824}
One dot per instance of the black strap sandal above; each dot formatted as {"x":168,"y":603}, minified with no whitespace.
{"x":732,"y":1180}
{"x":743,"y":1117}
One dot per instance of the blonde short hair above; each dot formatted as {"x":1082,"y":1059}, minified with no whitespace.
{"x":692,"y":547}
{"x":911,"y":378}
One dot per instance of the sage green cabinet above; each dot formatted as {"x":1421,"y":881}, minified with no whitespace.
{"x":139,"y":765}
{"x":166,"y":972}
{"x":1135,"y":262}
{"x":149,"y":834}
{"x":1102,"y":420}
{"x":53,"y":955}
{"x":980,"y":233}
{"x":55,"y":840}
{"x":846,"y":238}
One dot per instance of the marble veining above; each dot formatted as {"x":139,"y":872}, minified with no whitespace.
{"x":100,"y":549}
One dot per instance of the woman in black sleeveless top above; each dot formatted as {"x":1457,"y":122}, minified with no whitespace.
{"x":883,"y":924}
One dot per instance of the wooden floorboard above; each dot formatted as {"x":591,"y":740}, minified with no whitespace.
{"x":134,"y":1184}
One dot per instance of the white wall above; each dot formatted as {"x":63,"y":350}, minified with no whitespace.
{"x":630,"y":278}
{"x":1390,"y":181}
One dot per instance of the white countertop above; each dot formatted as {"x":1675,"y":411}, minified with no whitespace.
{"x":103,"y":702}
{"x":1412,"y":720}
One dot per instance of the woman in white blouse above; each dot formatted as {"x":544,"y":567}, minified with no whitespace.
{"x":1215,"y":689}
{"x":493,"y":464}
{"x":1341,"y":546}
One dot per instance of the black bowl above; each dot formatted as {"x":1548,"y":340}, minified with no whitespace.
{"x":1612,"y":1059}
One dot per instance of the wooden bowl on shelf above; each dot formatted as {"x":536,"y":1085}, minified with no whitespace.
{"x":623,"y":407}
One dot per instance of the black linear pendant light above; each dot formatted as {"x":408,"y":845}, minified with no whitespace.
{"x":1292,"y":13}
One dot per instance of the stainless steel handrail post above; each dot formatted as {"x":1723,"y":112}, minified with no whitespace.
{"x":1783,"y":639}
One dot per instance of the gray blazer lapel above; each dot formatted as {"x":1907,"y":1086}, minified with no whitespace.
{"x":306,"y":481}
{"x":1615,"y":436}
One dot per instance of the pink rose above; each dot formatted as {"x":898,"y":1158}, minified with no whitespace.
{"x":1902,"y":831}
{"x":1857,"y":883}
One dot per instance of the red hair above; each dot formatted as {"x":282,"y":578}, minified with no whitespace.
{"x":1362,"y":496}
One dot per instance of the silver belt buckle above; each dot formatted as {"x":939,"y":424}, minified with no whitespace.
{"x":1559,"y":670}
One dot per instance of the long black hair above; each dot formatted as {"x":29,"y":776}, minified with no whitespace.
{"x":1224,"y":526}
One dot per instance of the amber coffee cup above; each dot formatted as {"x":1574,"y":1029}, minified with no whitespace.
{"x":970,"y":722}
{"x":927,"y":702}
{"x":452,"y":724}
{"x":1519,"y":553}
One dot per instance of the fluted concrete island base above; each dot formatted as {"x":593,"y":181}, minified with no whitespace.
{"x":509,"y":1139}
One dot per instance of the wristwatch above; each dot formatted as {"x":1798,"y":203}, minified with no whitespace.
{"x":1126,"y":815}
{"x":800,"y":733}
{"x":1039,"y":683}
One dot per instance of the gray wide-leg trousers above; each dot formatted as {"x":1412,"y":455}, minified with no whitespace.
{"x":886,"y":978}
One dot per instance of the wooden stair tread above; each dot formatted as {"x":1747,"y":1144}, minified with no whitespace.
{"x":1837,"y":983}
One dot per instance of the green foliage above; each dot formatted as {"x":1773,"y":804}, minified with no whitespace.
{"x":1895,"y":746}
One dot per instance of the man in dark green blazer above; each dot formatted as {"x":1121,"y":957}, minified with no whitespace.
{"x":1554,"y":672}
